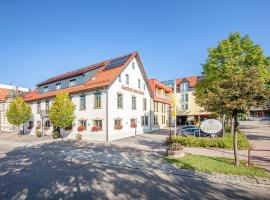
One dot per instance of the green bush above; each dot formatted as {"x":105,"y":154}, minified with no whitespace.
{"x":219,"y":142}
{"x":56,"y":135}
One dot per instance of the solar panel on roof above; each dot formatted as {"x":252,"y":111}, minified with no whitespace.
{"x":116,"y":62}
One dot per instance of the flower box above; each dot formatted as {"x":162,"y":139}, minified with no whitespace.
{"x":118,"y":127}
{"x":81,"y":128}
{"x":133,"y":126}
{"x":96,"y":128}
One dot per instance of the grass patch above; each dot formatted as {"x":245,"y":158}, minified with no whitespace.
{"x":217,"y":164}
{"x":219,"y":142}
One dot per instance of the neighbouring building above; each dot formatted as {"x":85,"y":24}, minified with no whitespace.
{"x":161,"y":103}
{"x":112,"y":99}
{"x":187,"y":109}
{"x":7,"y":94}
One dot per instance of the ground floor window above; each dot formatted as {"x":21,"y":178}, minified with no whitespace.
{"x":144,"y":120}
{"x":155,"y":120}
{"x":133,"y":123}
{"x":163,"y":119}
{"x":97,"y":125}
{"x":82,"y":125}
{"x":30,"y":125}
{"x":47,"y":124}
{"x":118,"y":124}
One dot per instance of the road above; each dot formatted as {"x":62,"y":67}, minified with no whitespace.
{"x":45,"y":171}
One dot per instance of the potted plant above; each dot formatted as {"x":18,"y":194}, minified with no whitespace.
{"x":133,"y":125}
{"x":81,"y":128}
{"x":78,"y":136}
{"x":118,"y":127}
{"x":56,"y":134}
{"x":175,"y":150}
{"x":96,"y":128}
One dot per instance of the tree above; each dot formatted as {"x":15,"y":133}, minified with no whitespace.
{"x":18,"y":112}
{"x":236,"y":79}
{"x":61,"y":112}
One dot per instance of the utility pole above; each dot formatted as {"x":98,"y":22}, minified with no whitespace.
{"x":174,"y":106}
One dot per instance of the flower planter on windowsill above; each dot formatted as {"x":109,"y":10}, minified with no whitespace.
{"x":96,"y":129}
{"x":118,"y":127}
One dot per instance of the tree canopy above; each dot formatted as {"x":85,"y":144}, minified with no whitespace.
{"x":61,"y":112}
{"x":18,"y":112}
{"x":236,"y":76}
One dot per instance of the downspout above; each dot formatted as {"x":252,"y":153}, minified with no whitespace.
{"x":107,"y":117}
{"x":150,"y":114}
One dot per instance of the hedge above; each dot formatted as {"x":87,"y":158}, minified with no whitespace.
{"x":219,"y":142}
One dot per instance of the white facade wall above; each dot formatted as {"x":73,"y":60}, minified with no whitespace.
{"x":108,"y":111}
{"x":126,"y":114}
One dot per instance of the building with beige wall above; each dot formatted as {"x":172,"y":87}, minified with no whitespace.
{"x":187,"y":109}
{"x":160,"y":104}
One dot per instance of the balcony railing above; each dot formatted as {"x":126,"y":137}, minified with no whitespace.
{"x":164,"y":97}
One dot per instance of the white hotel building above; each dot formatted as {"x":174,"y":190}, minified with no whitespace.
{"x":113,"y":95}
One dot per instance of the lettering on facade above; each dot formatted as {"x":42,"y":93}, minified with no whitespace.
{"x":132,"y":90}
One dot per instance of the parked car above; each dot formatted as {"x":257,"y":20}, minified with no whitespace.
{"x":191,"y":130}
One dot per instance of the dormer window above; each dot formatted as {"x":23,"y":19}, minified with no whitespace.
{"x":45,"y":89}
{"x":184,"y":87}
{"x":72,"y":82}
{"x":58,"y":86}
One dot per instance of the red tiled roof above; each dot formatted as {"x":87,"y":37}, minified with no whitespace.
{"x":155,"y":83}
{"x":3,"y":94}
{"x":102,"y":78}
{"x":192,"y":80}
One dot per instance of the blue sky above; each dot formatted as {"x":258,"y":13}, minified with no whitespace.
{"x":40,"y":39}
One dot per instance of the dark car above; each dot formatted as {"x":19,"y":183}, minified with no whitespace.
{"x":191,"y":130}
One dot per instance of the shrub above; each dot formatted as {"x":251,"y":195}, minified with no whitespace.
{"x":38,"y":133}
{"x":56,"y":135}
{"x":219,"y":142}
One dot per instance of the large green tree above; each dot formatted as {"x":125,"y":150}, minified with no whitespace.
{"x":18,"y":112}
{"x":61,"y":112}
{"x":236,"y":78}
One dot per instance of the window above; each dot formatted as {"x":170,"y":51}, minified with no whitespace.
{"x":133,"y":123}
{"x":4,"y":119}
{"x":72,"y":82}
{"x":184,"y":97}
{"x":184,"y":87}
{"x":133,"y":65}
{"x":58,"y":86}
{"x":144,"y":104}
{"x":82,"y":102}
{"x":45,"y":89}
{"x":155,"y":120}
{"x":98,"y":123}
{"x":156,"y":106}
{"x":47,"y":106}
{"x":3,"y":106}
{"x":144,"y":120}
{"x":133,"y":103}
{"x":139,"y":83}
{"x":119,"y":78}
{"x":120,"y":101}
{"x":118,"y":124}
{"x":83,"y":124}
{"x":184,"y":106}
{"x":163,"y":119}
{"x":47,"y":124}
{"x":127,"y":79}
{"x":144,"y":86}
{"x":97,"y":100}
{"x":38,"y":107}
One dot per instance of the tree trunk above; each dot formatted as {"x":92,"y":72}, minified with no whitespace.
{"x":223,"y":125}
{"x":232,"y":125}
{"x":235,"y":146}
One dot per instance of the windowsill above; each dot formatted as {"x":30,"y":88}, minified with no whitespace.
{"x":97,"y":107}
{"x":82,"y":109}
{"x":120,"y":108}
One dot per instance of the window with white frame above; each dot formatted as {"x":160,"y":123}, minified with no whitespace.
{"x":144,"y":104}
{"x":82,"y":102}
{"x":72,"y":82}
{"x":139,"y":83}
{"x":58,"y":86}
{"x":38,"y":108}
{"x":133,"y":100}
{"x":98,"y":123}
{"x":184,"y":97}
{"x":119,"y":78}
{"x":120,"y":100}
{"x":118,"y":124}
{"x":97,"y":98}
{"x":184,"y":87}
{"x":127,"y":79}
{"x":133,"y":65}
